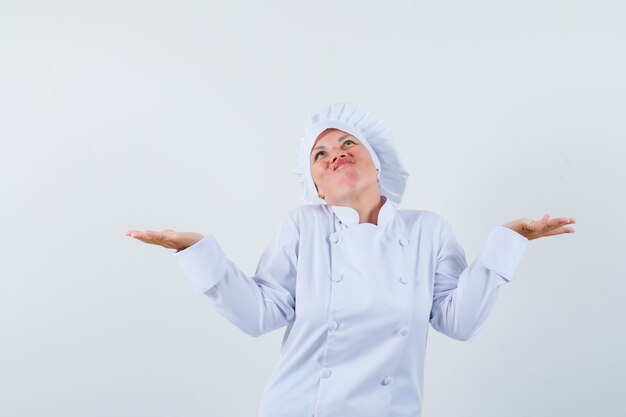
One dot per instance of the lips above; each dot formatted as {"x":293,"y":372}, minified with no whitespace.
{"x":342,"y":162}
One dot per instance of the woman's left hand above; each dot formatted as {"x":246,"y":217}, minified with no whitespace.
{"x":532,"y":229}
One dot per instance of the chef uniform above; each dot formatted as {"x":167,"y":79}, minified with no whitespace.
{"x":356,"y":298}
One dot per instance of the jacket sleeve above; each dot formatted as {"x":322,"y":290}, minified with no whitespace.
{"x":257,"y":304}
{"x":464,"y":295}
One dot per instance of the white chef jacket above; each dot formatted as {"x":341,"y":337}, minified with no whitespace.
{"x":357,"y":300}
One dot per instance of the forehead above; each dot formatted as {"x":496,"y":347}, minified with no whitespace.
{"x":329,"y":136}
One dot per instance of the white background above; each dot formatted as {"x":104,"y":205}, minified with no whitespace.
{"x":119,"y":115}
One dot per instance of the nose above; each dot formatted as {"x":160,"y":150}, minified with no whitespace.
{"x":339,"y":155}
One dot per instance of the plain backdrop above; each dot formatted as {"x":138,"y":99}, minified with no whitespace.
{"x":187,"y":115}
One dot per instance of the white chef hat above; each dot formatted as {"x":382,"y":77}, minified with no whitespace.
{"x":371,"y":131}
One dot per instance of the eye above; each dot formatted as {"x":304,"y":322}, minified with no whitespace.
{"x":349,"y":140}
{"x":318,"y":154}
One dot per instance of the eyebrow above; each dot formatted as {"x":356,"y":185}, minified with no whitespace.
{"x":338,"y":140}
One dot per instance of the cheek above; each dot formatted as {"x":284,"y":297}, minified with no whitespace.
{"x":316,"y":173}
{"x":319,"y":175}
{"x":365,"y":158}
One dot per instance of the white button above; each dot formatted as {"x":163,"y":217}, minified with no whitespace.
{"x":404,"y":242}
{"x":332,"y":325}
{"x":334,"y":237}
{"x":337,"y":277}
{"x":403,"y":279}
{"x":387,"y":380}
{"x":403,"y":331}
{"x":325,"y":373}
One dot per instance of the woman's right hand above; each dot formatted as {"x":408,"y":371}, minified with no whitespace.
{"x":167,"y":238}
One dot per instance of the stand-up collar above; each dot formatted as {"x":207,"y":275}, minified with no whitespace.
{"x":349,"y":216}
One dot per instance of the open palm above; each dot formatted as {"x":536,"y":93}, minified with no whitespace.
{"x":533,"y":229}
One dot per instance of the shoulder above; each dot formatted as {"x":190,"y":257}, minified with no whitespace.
{"x":429,"y":225}
{"x":423,"y":218}
{"x":308,"y":211}
{"x":308,"y":214}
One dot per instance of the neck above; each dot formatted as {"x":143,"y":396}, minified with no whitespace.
{"x":367,"y":204}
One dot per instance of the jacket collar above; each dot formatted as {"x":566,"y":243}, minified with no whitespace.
{"x":349,"y":216}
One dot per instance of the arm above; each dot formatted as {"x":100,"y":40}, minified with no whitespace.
{"x":464,"y":295}
{"x":257,"y":304}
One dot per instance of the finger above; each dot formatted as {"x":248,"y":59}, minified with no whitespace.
{"x":137,"y":234}
{"x":145,"y":236}
{"x":154,"y":238}
{"x":558,"y":231}
{"x":568,"y":219}
{"x":537,"y":225}
{"x":563,"y":219}
{"x":555,"y":223}
{"x":151,"y":234}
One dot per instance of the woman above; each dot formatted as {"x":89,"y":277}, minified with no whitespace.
{"x":355,"y":280}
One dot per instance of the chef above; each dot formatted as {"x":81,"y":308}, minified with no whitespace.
{"x":354,"y":279}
